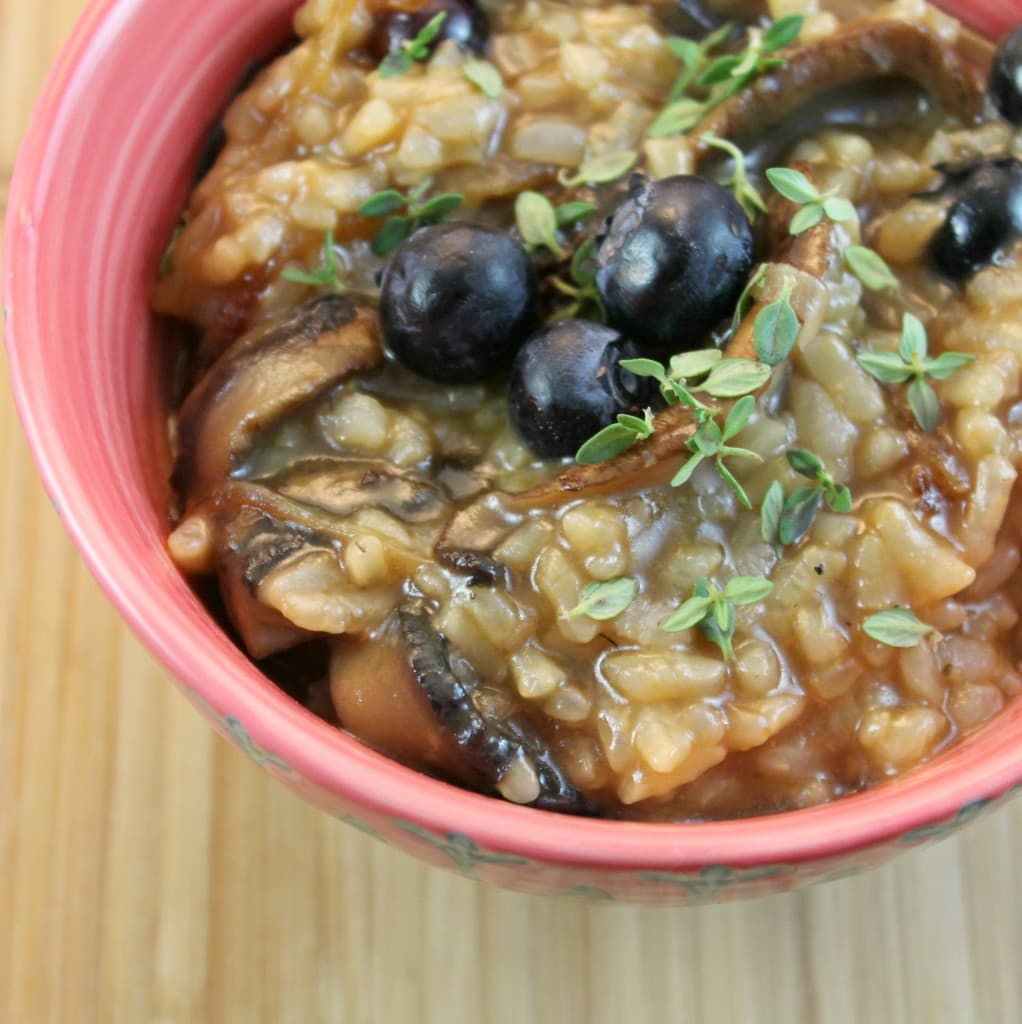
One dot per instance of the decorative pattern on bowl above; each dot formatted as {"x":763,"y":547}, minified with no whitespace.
{"x":714,"y":883}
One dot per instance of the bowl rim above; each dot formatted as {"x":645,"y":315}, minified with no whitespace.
{"x":336,"y":761}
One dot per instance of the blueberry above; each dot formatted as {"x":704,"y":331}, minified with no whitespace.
{"x":1006,"y":77}
{"x":985,"y":217}
{"x":674,"y":263}
{"x":567,"y":384}
{"x":457,"y":301}
{"x":465,"y":23}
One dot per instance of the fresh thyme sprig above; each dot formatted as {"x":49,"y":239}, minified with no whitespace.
{"x":787,"y":519}
{"x":816,"y":205}
{"x":695,"y":57}
{"x":418,"y":212}
{"x":912,"y":365}
{"x":702,"y":372}
{"x":713,"y":609}
{"x":414,"y":50}
{"x":615,"y":439}
{"x":775,"y":330}
{"x":709,"y":372}
{"x":606,"y":600}
{"x":538,"y":221}
{"x":744,"y":191}
{"x":710,"y":443}
{"x":870,"y":268}
{"x":898,"y":627}
{"x":581,"y":288}
{"x":600,"y":170}
{"x":327,"y":275}
{"x":706,"y":81}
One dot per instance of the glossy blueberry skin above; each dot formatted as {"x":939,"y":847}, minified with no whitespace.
{"x":985,"y":218}
{"x":674,"y":263}
{"x":465,"y":23}
{"x":1006,"y":77}
{"x":566,"y":385}
{"x":457,"y":301}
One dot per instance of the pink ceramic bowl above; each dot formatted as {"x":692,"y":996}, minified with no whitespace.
{"x":99,"y":183}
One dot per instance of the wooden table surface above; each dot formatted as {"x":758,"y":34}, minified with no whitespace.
{"x":149,"y":873}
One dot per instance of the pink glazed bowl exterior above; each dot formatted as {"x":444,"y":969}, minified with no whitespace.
{"x":102,"y":175}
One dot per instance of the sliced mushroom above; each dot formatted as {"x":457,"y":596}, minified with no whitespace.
{"x":236,"y":493}
{"x":267,"y":374}
{"x":504,"y":751}
{"x":340,"y":487}
{"x":378,"y":699}
{"x":861,"y":52}
{"x":277,"y":557}
{"x":691,"y":18}
{"x":250,"y":546}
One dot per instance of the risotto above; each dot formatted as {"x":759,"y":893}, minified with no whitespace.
{"x":615,"y":408}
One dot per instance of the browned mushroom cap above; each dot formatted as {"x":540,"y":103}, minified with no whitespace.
{"x":266,"y":374}
{"x":263,"y":537}
{"x":378,"y":699}
{"x":860,"y":52}
{"x":250,"y":545}
{"x":340,"y":487}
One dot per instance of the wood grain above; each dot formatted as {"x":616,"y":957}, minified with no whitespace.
{"x":148,"y":873}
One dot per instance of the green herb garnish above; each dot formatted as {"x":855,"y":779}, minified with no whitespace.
{"x":570,"y":213}
{"x":708,"y":372}
{"x":327,"y":275}
{"x":606,"y":600}
{"x":713,"y":609}
{"x":734,"y":378}
{"x":695,"y":57}
{"x":582,"y":290}
{"x":418,"y":212}
{"x":899,"y":627}
{"x":744,"y":191}
{"x":816,"y":205}
{"x":786,"y":520}
{"x":912,"y":364}
{"x":537,"y":223}
{"x":600,"y":170}
{"x":710,"y":443}
{"x":870,"y":268}
{"x":708,"y":81}
{"x":745,"y":299}
{"x":615,"y":439}
{"x":484,"y":76}
{"x":705,"y":371}
{"x":770,"y":512}
{"x":538,"y":220}
{"x":413,"y":50}
{"x":776,"y":330}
